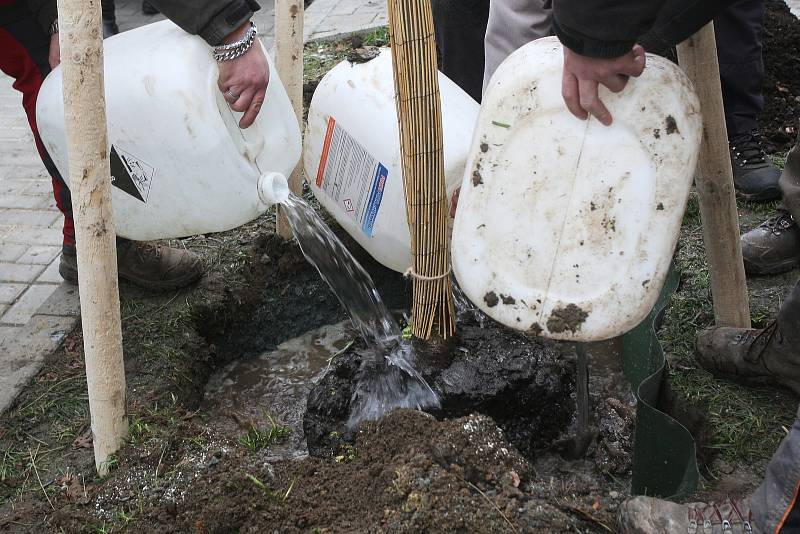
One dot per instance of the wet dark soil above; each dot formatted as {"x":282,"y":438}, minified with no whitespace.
{"x":779,"y":122}
{"x":410,"y":472}
{"x":522,"y":383}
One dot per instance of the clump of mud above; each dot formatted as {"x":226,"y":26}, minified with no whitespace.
{"x":521,"y":382}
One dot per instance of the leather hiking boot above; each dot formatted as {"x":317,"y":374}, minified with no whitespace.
{"x":755,"y":178}
{"x":646,"y":515}
{"x":750,"y":356}
{"x":773,"y":247}
{"x":153,"y":267}
{"x":68,"y":265}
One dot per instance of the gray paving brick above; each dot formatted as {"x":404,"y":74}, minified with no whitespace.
{"x":51,"y":275}
{"x":32,"y":218}
{"x":40,"y":255}
{"x":9,"y":253}
{"x":24,"y":350}
{"x":20,"y":201}
{"x":28,"y":304}
{"x":64,"y":302}
{"x":8,"y":333}
{"x":33,"y":236}
{"x":9,"y":292}
{"x":12,"y":186}
{"x":15,"y":272}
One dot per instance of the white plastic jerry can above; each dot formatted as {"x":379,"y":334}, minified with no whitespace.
{"x":566,"y":228}
{"x":352,"y":153}
{"x":180,"y":164}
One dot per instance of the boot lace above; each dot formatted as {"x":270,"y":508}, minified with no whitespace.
{"x":779,"y":223}
{"x":748,"y":150}
{"x":702,"y":520}
{"x":146,"y":251}
{"x":757,"y":341}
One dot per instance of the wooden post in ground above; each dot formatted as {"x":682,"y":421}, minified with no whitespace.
{"x":81,"y":40}
{"x":289,"y":62}
{"x":698,"y":57}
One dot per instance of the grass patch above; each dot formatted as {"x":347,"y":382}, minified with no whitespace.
{"x":256,"y":439}
{"x":746,"y":424}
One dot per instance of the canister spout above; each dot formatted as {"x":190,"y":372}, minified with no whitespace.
{"x":273,"y":188}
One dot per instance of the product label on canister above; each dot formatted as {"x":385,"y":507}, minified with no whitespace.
{"x":351,"y":177}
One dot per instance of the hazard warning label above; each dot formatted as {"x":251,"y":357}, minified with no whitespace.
{"x":352,"y":177}
{"x":131,"y":174}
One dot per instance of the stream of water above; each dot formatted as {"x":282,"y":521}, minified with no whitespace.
{"x":388,"y":379}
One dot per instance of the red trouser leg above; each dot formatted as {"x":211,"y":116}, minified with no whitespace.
{"x":24,"y":49}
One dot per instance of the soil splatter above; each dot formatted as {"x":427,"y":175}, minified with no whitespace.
{"x":569,"y":318}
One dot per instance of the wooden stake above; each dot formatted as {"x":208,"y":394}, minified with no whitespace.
{"x":419,"y":112}
{"x":81,"y":40}
{"x":698,"y":57}
{"x":289,"y":62}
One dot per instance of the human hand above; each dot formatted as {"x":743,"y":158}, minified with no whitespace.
{"x":54,"y":56}
{"x":583,"y":75}
{"x":244,"y":80}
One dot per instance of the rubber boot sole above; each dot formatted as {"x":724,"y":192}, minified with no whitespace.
{"x":70,"y":274}
{"x":772,"y":193}
{"x":778,"y":268}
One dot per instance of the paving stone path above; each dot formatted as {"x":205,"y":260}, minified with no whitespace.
{"x":37,"y":309}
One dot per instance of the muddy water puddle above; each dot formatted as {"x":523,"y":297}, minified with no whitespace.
{"x":274,"y":386}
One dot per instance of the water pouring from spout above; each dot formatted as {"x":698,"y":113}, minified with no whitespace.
{"x":388,"y":379}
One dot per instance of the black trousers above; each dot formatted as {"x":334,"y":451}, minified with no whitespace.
{"x":739,"y":32}
{"x":460,"y":33}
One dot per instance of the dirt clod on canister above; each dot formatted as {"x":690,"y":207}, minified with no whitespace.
{"x":569,"y":318}
{"x":671,"y":125}
{"x":491,"y":299}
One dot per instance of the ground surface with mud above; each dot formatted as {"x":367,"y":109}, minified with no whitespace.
{"x":189,"y":466}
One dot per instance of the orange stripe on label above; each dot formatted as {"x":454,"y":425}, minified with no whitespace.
{"x":326,"y":148}
{"x":788,"y":511}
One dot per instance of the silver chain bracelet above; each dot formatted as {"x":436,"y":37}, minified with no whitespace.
{"x":237,"y":49}
{"x":54,"y":28}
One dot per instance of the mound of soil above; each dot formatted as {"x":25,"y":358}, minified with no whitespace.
{"x":521,"y":382}
{"x":405,"y":473}
{"x":782,"y":76}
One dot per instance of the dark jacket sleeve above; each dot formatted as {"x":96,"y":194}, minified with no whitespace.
{"x":609,"y":28}
{"x":678,"y":21}
{"x":213,"y":20}
{"x":603,"y":28}
{"x":45,"y":12}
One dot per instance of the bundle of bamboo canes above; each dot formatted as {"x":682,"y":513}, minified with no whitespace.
{"x":420,"y":118}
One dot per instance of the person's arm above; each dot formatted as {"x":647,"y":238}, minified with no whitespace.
{"x":213,"y":20}
{"x":596,"y":54}
{"x":45,"y":12}
{"x":603,"y":28}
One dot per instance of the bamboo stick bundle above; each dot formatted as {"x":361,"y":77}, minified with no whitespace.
{"x":419,"y":113}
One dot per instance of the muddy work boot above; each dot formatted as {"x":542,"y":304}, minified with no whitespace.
{"x":751,"y":356}
{"x":755,"y":178}
{"x":645,"y":515}
{"x":773,"y":247}
{"x":153,"y":267}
